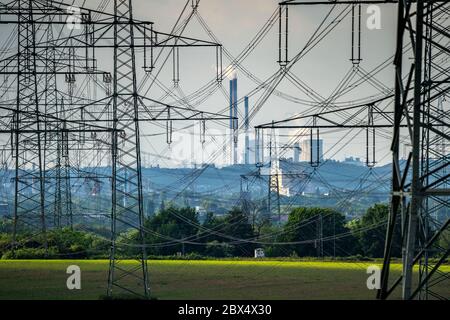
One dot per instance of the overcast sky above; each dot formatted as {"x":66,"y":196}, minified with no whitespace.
{"x":235,"y":23}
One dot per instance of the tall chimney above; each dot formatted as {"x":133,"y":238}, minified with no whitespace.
{"x":235,"y":105}
{"x":233,"y":122}
{"x":247,"y":125}
{"x":297,"y":152}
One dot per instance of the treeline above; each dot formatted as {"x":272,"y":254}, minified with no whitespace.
{"x":309,"y":232}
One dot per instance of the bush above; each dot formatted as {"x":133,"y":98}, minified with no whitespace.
{"x":274,"y":251}
{"x":218,"y":250}
{"x":5,"y":242}
{"x":194,"y":256}
{"x":30,"y":253}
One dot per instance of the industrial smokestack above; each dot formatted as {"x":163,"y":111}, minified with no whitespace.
{"x":233,"y":122}
{"x":247,"y":127}
{"x":297,"y":152}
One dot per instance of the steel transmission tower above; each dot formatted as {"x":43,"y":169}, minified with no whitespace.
{"x":416,"y":205}
{"x":275,"y":178}
{"x":420,"y":194}
{"x":58,"y":202}
{"x":46,"y":132}
{"x":39,"y":136}
{"x":29,"y":209}
{"x":128,"y":105}
{"x":127,"y":202}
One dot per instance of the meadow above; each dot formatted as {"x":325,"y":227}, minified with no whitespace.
{"x":211,"y":279}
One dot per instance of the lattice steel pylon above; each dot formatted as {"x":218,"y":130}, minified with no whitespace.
{"x":41,"y":114}
{"x":29,"y":209}
{"x":423,"y":203}
{"x":62,"y":205}
{"x":58,"y":202}
{"x":36,"y":129}
{"x":51,"y":146}
{"x":127,"y":201}
{"x":275,"y":178}
{"x":129,"y":109}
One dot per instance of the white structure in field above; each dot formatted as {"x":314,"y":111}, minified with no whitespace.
{"x":259,"y":253}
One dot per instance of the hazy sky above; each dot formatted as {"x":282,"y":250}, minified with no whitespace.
{"x":235,"y":23}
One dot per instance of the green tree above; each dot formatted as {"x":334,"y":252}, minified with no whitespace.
{"x":373,"y":233}
{"x":6,"y":226}
{"x":444,"y":240}
{"x":238,"y":228}
{"x":172,"y":223}
{"x":73,"y":244}
{"x":218,"y":232}
{"x":62,"y":243}
{"x":218,"y":249}
{"x":5,"y":243}
{"x":303,"y":226}
{"x":150,"y":207}
{"x":210,"y":226}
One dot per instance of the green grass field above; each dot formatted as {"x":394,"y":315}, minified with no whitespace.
{"x":38,"y":279}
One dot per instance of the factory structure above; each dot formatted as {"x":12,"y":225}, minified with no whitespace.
{"x":311,"y":150}
{"x":306,"y":150}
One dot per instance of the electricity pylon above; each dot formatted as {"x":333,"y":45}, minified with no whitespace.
{"x":72,"y":54}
